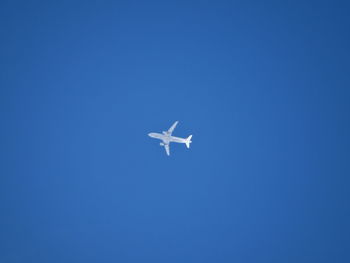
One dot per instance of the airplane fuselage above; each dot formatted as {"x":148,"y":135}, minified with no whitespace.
{"x":166,"y":138}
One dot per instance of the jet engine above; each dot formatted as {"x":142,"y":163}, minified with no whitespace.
{"x":161,"y":144}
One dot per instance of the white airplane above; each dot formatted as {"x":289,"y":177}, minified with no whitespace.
{"x":167,"y":138}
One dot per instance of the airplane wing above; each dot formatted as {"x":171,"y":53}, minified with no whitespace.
{"x":171,"y":129}
{"x":167,"y":149}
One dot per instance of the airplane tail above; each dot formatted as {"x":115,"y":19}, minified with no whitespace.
{"x":188,"y":141}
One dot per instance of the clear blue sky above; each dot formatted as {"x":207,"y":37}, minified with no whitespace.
{"x":262,"y":86}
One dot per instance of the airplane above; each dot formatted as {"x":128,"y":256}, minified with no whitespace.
{"x":167,"y":138}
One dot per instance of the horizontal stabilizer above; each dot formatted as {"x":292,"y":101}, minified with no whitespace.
{"x":188,"y":141}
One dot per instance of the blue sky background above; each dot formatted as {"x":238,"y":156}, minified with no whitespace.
{"x":263,"y":86}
